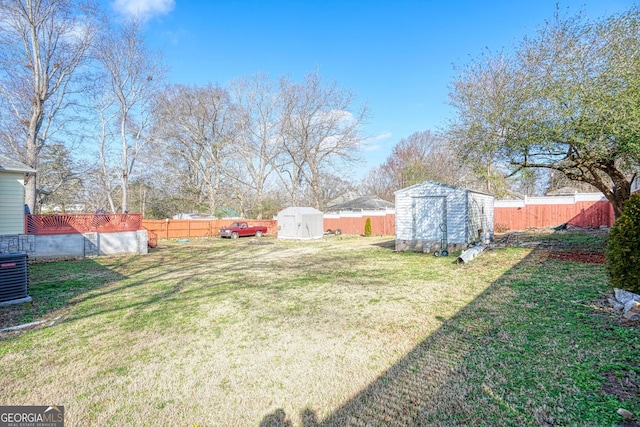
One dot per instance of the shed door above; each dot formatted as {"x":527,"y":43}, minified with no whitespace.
{"x":428,"y":214}
{"x":289,"y":228}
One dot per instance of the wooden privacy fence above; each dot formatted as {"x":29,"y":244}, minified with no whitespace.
{"x":81,"y":223}
{"x":193,"y":228}
{"x":581,"y":210}
{"x":353,"y":223}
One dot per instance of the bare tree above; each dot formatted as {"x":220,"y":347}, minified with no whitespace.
{"x":42,"y":43}
{"x":60,"y":178}
{"x":197,"y":127}
{"x":319,"y":130}
{"x":377,"y":182}
{"x":559,"y":181}
{"x":102,"y":109}
{"x":485,"y":94}
{"x":334,"y":187}
{"x":419,"y":157}
{"x":260,"y":141}
{"x":133,"y":76}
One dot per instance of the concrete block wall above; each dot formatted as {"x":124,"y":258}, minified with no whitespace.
{"x":59,"y":246}
{"x":76,"y":245}
{"x":14,"y":243}
{"x":143,"y":242}
{"x":91,"y":244}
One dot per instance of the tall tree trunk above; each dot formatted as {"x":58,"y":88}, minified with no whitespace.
{"x":30,"y":189}
{"x":103,"y":163}
{"x":259,"y":197}
{"x":33,"y":150}
{"x":41,"y":44}
{"x":125,"y":163}
{"x":315,"y":188}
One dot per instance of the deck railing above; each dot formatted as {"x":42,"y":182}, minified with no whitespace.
{"x":81,"y":223}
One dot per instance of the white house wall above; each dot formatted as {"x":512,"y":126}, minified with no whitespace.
{"x":11,"y":203}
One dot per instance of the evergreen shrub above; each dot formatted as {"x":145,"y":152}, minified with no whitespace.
{"x":623,"y":248}
{"x":367,"y":227}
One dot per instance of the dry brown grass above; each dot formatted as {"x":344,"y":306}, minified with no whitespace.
{"x":226,"y":333}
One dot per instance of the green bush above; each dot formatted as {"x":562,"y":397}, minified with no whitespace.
{"x":367,"y":227}
{"x":623,"y":248}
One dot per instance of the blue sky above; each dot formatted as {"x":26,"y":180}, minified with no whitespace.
{"x":397,"y":56}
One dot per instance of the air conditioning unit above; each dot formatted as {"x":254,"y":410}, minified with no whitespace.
{"x":14,"y":279}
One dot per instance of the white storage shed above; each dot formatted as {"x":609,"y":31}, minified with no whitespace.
{"x":430,"y":213}
{"x":300,"y":223}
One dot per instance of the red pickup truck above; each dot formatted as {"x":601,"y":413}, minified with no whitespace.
{"x":241,"y":229}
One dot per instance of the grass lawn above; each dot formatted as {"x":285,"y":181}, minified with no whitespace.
{"x":341,"y":331}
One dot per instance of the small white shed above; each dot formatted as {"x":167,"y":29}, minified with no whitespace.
{"x":12,"y":195}
{"x":428,"y":212}
{"x":300,"y":223}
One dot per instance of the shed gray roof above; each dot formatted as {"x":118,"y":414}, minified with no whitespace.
{"x":10,"y":165}
{"x":302,"y":210}
{"x":364,"y":203}
{"x":441,"y":184}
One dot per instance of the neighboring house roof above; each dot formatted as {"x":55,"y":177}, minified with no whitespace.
{"x":10,"y":165}
{"x":349,"y":195}
{"x":363,"y":203}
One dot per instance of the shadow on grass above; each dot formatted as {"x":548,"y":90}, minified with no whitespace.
{"x":532,"y":349}
{"x":65,"y":283}
{"x":56,"y":284}
{"x":387,"y":244}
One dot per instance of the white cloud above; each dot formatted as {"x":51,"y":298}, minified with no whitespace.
{"x":372,"y":144}
{"x":381,"y":137}
{"x":367,"y":148}
{"x":144,"y":9}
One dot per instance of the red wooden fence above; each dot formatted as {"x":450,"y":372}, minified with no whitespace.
{"x":380,"y":225}
{"x":175,"y":229}
{"x":583,"y":210}
{"x":544,"y":212}
{"x":185,"y":228}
